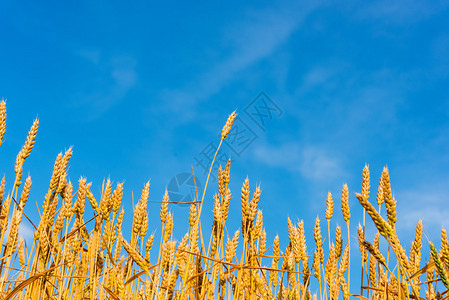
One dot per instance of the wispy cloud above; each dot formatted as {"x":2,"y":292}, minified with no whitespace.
{"x":312,"y":162}
{"x":317,"y":76}
{"x":427,"y":203}
{"x":26,"y":231}
{"x":251,"y":40}
{"x":92,"y":55}
{"x":440,"y":49}
{"x":119,"y":76}
{"x":318,"y":164}
{"x":402,"y":11}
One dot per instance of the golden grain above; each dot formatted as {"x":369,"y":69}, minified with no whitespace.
{"x":343,"y":263}
{"x":417,"y":245}
{"x":25,"y":152}
{"x":117,"y":196}
{"x":305,"y":270}
{"x":372,"y":271}
{"x":227,"y":172}
{"x":244,"y":200}
{"x":93,"y":202}
{"x":231,"y":246}
{"x":168,"y":255}
{"x":366,"y":182}
{"x":444,"y":244}
{"x":78,"y":207}
{"x":380,"y":197}
{"x":105,"y":201}
{"x":390,"y":203}
{"x":228,"y":126}
{"x":263,"y":243}
{"x":316,"y":265}
{"x":361,"y":239}
{"x":137,"y":258}
{"x":78,"y":262}
{"x":168,"y":229}
{"x":143,"y":230}
{"x":329,"y":206}
{"x":221,"y":183}
{"x":2,"y":190}
{"x":374,"y":252}
{"x":302,"y":240}
{"x":5,"y":213}
{"x":25,"y":193}
{"x":384,"y":228}
{"x":276,"y":249}
{"x":344,"y":289}
{"x":22,"y":252}
{"x":148,"y":246}
{"x":318,"y":240}
{"x":192,"y":214}
{"x":2,"y":120}
{"x":331,"y":266}
{"x":225,"y":205}
{"x":257,"y":231}
{"x":194,"y":239}
{"x":338,"y":242}
{"x":217,"y":209}
{"x":31,"y":138}
{"x":345,"y":203}
{"x":164,"y":207}
{"x":293,"y":236}
{"x":254,"y":204}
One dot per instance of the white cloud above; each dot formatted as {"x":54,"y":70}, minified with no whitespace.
{"x":26,"y":231}
{"x":318,"y":164}
{"x":92,"y":55}
{"x":124,"y":78}
{"x":318,"y":76}
{"x":313,"y":163}
{"x":402,"y":11}
{"x":119,"y":76}
{"x":427,"y":203}
{"x":251,"y":40}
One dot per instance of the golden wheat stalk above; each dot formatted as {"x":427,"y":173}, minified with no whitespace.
{"x":228,"y":126}
{"x":72,"y":258}
{"x":2,"y":120}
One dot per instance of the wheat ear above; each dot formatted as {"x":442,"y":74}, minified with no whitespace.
{"x":2,"y":120}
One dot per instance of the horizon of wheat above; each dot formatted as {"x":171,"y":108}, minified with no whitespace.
{"x":76,"y":256}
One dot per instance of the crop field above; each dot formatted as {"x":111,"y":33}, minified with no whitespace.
{"x":75,"y":255}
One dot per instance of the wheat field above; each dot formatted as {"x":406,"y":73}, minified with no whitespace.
{"x":78,"y":256}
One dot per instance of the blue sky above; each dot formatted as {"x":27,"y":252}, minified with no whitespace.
{"x":139,"y":90}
